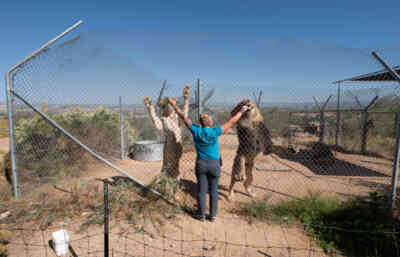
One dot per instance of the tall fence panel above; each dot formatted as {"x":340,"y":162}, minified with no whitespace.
{"x":282,"y":150}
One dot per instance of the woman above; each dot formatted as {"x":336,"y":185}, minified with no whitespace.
{"x":208,"y":166}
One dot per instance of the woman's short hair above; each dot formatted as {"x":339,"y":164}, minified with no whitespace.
{"x":203,"y":116}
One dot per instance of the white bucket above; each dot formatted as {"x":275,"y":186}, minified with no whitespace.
{"x":60,"y":242}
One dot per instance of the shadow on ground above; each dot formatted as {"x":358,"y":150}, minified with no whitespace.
{"x":328,"y":165}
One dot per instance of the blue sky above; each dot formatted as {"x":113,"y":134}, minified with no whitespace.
{"x":256,"y":44}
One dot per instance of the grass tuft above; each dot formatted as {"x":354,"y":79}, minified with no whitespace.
{"x":358,"y":227}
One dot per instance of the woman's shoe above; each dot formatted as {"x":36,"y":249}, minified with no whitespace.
{"x":199,"y":217}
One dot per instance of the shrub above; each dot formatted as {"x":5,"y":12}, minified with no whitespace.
{"x":5,"y":236}
{"x":43,"y":152}
{"x":145,"y":129}
{"x":276,"y":120}
{"x":3,"y":251}
{"x":358,"y":227}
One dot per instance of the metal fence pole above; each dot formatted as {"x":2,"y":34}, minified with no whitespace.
{"x":396,"y":161}
{"x":198,"y":100}
{"x":387,"y":66}
{"x":364,"y":122}
{"x":10,"y":107}
{"x":9,"y":80}
{"x":290,"y":131}
{"x":396,"y":158}
{"x":86,"y":148}
{"x":364,"y":119}
{"x":106,"y":220}
{"x":321,"y":126}
{"x":121,"y":125}
{"x":337,"y":117}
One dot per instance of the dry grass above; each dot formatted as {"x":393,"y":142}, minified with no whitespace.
{"x":49,"y":205}
{"x":3,"y":127}
{"x":5,"y":191}
{"x":84,"y":202}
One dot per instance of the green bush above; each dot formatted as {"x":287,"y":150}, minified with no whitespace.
{"x":276,"y":120}
{"x":5,"y":236}
{"x":359,"y":227}
{"x":44,"y":153}
{"x":3,"y":251}
{"x":145,"y":129}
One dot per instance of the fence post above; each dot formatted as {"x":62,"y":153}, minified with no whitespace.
{"x":321,"y":126}
{"x":10,"y":98}
{"x":364,"y":119}
{"x":121,"y":125}
{"x":198,"y":100}
{"x":337,"y":117}
{"x":290,"y":131}
{"x":106,"y":220}
{"x":87,"y":149}
{"x":322,"y":117}
{"x":387,"y":66}
{"x":396,"y":161}
{"x":396,"y":158}
{"x":364,"y":122}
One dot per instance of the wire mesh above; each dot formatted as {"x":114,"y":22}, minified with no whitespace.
{"x":276,"y":151}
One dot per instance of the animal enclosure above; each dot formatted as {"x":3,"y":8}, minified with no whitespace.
{"x":77,"y":109}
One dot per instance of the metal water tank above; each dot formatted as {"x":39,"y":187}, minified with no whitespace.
{"x":148,"y":150}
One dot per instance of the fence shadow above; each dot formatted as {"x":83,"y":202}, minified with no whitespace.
{"x":331,"y":166}
{"x":342,"y":149}
{"x":190,"y":187}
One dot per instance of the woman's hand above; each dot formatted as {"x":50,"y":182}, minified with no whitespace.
{"x":227,"y":125}
{"x":244,"y":108}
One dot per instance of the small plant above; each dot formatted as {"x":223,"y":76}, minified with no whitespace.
{"x":5,"y":237}
{"x":44,"y":154}
{"x":255,"y":210}
{"x":3,"y":127}
{"x":166,"y":185}
{"x":3,"y":251}
{"x":358,"y":227}
{"x":128,"y":202}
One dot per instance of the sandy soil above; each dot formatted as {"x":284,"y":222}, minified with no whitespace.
{"x":274,"y":176}
{"x":4,"y":144}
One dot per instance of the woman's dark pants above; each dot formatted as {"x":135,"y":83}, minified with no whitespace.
{"x":207,"y":174}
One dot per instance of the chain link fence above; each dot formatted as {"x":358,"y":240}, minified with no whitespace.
{"x":353,"y":139}
{"x":290,"y":145}
{"x":115,"y":125}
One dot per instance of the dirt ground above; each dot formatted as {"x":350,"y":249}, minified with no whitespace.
{"x":4,"y":144}
{"x":275,"y":176}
